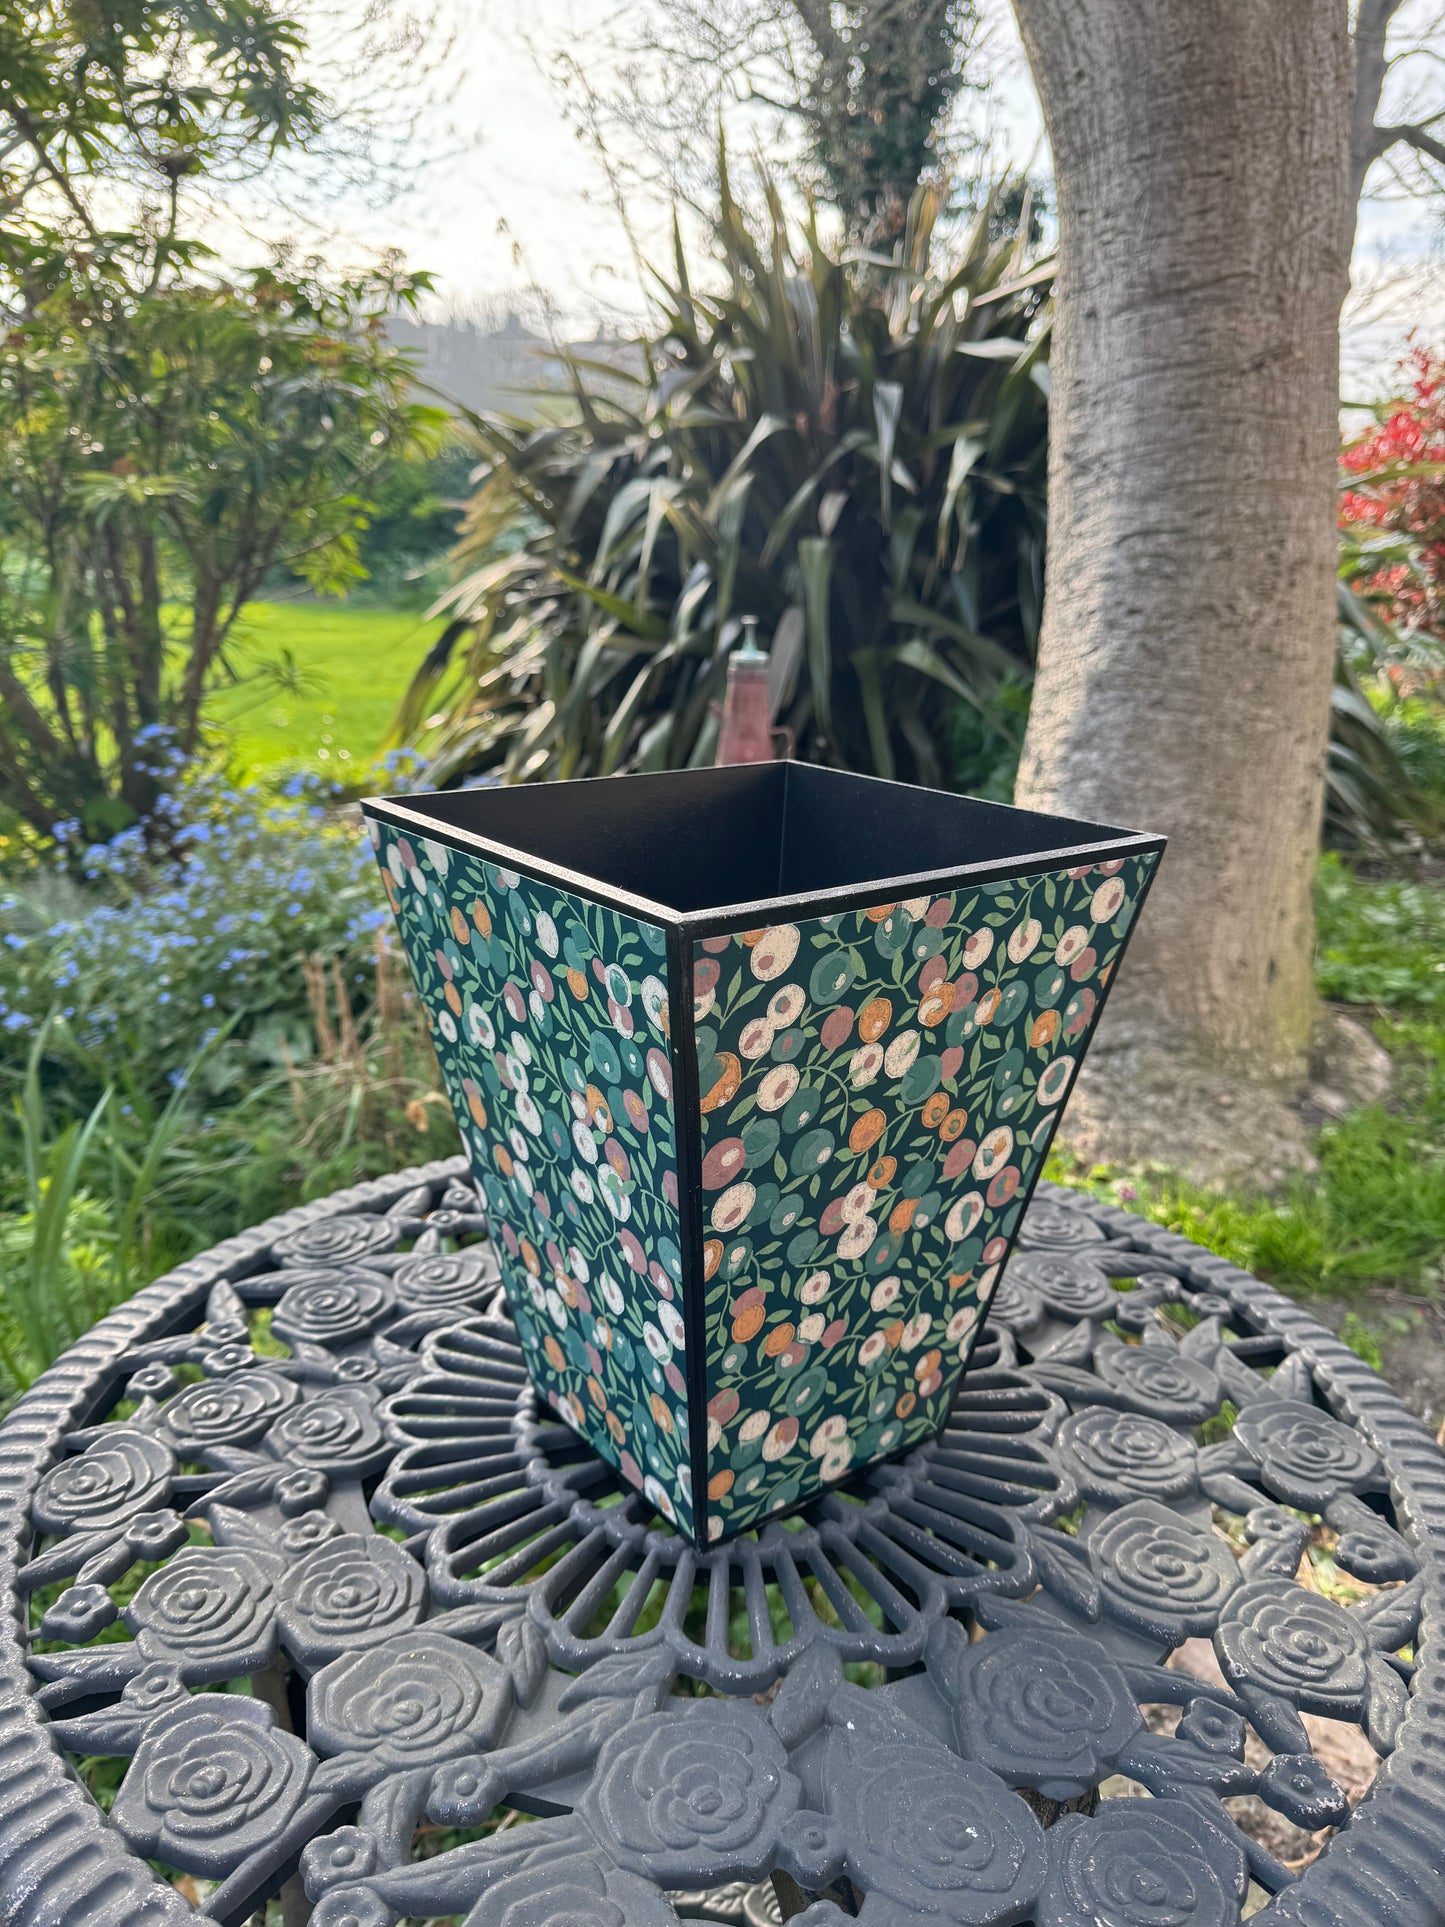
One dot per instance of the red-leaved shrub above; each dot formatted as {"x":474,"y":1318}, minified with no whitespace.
{"x":1394,"y":485}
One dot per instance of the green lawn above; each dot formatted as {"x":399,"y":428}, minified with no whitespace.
{"x":342,"y":670}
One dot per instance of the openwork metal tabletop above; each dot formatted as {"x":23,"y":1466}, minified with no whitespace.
{"x":310,"y":1600}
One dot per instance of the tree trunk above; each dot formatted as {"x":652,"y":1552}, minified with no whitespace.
{"x":1201,"y":156}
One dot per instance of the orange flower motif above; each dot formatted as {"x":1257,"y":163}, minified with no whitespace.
{"x":893,"y":1334}
{"x":988,"y":1004}
{"x":596,"y":1394}
{"x":477,"y":1109}
{"x":905,"y":1405}
{"x":752,"y":938}
{"x":778,"y":1339}
{"x":530,"y":1258}
{"x":880,"y":1175}
{"x":880,"y":912}
{"x":953,"y":1126}
{"x":928,"y":1365}
{"x":598,"y":1109}
{"x":617,"y":1428}
{"x":725,"y":1089}
{"x":866,"y":1131}
{"x":719,"y":1485}
{"x":482,"y":918}
{"x":504,"y":1159}
{"x":711,"y":1256}
{"x":661,"y":1413}
{"x":901,"y":1216}
{"x":454,"y":999}
{"x":577,"y":984}
{"x":874,"y":1018}
{"x":1045,"y":1030}
{"x":748,"y":1323}
{"x":935,"y":1004}
{"x":459,"y":926}
{"x":935,"y":1110}
{"x":554,"y":1353}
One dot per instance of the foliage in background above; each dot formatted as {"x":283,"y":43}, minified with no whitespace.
{"x":1373,"y":1212}
{"x":857,"y":462}
{"x":873,"y":84}
{"x":161,"y":455}
{"x":144,"y":946}
{"x":200,"y":1023}
{"x":106,"y":110}
{"x":1385,"y":777}
{"x":412,"y":525}
{"x":1392,"y":506}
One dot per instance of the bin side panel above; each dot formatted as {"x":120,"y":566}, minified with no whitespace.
{"x":551,"y":1021}
{"x":878,"y":1091}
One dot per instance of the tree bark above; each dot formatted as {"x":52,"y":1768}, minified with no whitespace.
{"x":1201,"y":152}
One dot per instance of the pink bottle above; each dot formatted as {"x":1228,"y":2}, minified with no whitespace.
{"x":746,"y":731}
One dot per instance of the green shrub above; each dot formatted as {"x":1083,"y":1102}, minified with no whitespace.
{"x":852,"y":453}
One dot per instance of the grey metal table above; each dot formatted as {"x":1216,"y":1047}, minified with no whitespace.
{"x":349,"y":1622}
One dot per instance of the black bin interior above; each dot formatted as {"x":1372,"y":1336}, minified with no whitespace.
{"x":703,"y":840}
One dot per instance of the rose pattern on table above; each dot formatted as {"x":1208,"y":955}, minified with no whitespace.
{"x":1161,"y":1575}
{"x":1275,"y":1636}
{"x":211,"y":1782}
{"x":212,"y":1607}
{"x":1039,"y":1708}
{"x":353,"y":1590}
{"x":703,"y":1786}
{"x":1035,"y":1642}
{"x":116,"y":1477}
{"x":941,"y":1836}
{"x":1307,"y":1456}
{"x":1142,"y":1863}
{"x":878,"y":1089}
{"x":416,"y":1699}
{"x":553,"y":1028}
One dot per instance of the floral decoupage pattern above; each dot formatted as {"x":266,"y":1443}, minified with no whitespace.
{"x":878,"y":1089}
{"x":551,"y":1023}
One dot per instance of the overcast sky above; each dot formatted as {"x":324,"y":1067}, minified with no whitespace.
{"x":496,"y":193}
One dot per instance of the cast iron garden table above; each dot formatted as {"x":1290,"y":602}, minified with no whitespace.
{"x":307,"y":1622}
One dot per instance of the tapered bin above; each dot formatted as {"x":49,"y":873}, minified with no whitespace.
{"x":756,"y":1068}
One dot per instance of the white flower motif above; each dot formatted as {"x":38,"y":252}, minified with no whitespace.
{"x":586,"y":1144}
{"x":754,"y":1426}
{"x":656,"y":1343}
{"x":447,"y":1025}
{"x":901,"y":1052}
{"x":864,"y":1065}
{"x":812,"y":1328}
{"x":1024,"y":939}
{"x":884,"y":1292}
{"x":480,"y":1028}
{"x":582,"y":1188}
{"x":994,"y":1151}
{"x":774,"y":951}
{"x":755,"y":1038}
{"x":855,"y":1239}
{"x":978,"y":949}
{"x":832,"y":1429}
{"x":1106,"y":901}
{"x":777,"y":1087}
{"x":437,"y":855}
{"x":529,"y":1114}
{"x":1074,"y":940}
{"x":815,"y":1287}
{"x":963,"y":1214}
{"x":670,"y":1318}
{"x":546,"y":933}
